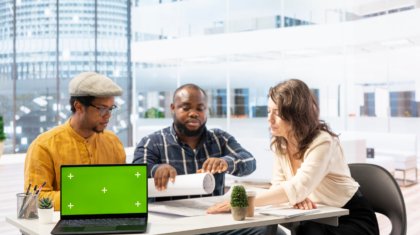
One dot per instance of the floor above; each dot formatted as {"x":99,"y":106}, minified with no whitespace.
{"x":11,"y":182}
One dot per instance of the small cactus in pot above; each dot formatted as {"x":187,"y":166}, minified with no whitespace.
{"x":45,"y":203}
{"x":45,"y":210}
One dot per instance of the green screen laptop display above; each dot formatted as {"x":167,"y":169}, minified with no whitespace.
{"x":103,"y":189}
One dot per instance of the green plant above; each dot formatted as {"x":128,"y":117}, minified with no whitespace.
{"x":45,"y":203}
{"x":2,"y":134}
{"x":154,"y":113}
{"x":238,"y":197}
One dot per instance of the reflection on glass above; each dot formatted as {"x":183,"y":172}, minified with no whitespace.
{"x":233,"y":49}
{"x":45,"y":68}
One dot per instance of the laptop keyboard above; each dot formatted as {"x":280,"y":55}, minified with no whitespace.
{"x":106,"y":222}
{"x":100,"y":226}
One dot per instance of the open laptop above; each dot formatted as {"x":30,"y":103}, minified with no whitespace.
{"x":103,"y":199}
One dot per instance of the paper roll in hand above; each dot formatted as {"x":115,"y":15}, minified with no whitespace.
{"x":193,"y":184}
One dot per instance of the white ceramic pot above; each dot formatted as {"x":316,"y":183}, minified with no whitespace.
{"x":45,"y":216}
{"x":239,"y":213}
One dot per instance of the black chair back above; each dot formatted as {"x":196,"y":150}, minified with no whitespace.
{"x":383,"y":192}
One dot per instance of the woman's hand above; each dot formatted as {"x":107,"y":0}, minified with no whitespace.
{"x":306,"y":204}
{"x":222,"y":207}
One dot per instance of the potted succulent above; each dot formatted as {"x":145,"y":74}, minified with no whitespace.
{"x":238,"y":202}
{"x":2,"y":135}
{"x":45,"y":210}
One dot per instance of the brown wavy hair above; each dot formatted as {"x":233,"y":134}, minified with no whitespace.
{"x":297,"y":105}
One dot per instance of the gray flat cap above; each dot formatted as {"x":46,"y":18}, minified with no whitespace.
{"x":93,"y":84}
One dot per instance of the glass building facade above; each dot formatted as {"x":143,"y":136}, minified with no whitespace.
{"x":44,"y":44}
{"x":234,"y":49}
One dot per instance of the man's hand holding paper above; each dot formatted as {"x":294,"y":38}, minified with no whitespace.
{"x":214,"y":165}
{"x":163,"y":174}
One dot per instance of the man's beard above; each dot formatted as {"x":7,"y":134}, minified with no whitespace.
{"x":183,"y":130}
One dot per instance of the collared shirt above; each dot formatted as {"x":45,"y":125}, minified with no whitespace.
{"x":63,"y":145}
{"x":164,"y":147}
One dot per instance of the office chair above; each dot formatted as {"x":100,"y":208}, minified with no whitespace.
{"x":380,"y":188}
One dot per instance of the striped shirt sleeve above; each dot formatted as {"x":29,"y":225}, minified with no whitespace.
{"x":144,"y":153}
{"x":240,"y":161}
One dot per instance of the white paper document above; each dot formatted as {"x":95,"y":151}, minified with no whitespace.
{"x":185,"y":207}
{"x":192,"y":184}
{"x":286,"y":212}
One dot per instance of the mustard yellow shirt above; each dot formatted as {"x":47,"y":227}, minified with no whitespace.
{"x":63,"y":146}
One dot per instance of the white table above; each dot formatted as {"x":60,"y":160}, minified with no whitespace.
{"x":170,"y":224}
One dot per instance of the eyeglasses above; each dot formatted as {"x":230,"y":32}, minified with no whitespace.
{"x":104,"y":111}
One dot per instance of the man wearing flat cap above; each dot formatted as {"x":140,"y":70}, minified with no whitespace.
{"x":81,"y":140}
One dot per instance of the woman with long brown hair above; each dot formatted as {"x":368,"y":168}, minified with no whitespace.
{"x":309,"y":166}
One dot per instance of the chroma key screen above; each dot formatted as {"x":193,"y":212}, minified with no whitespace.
{"x":103,"y":189}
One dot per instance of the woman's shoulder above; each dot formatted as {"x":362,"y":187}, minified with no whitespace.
{"x":324,"y":141}
{"x":323,"y":137}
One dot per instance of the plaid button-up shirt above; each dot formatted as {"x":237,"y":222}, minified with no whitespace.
{"x":164,"y":147}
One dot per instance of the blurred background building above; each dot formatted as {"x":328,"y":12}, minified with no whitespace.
{"x":43,"y":44}
{"x":358,"y":56}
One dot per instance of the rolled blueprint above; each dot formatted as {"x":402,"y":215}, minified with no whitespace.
{"x":192,"y":184}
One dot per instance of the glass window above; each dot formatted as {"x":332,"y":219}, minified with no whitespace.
{"x":234,"y":49}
